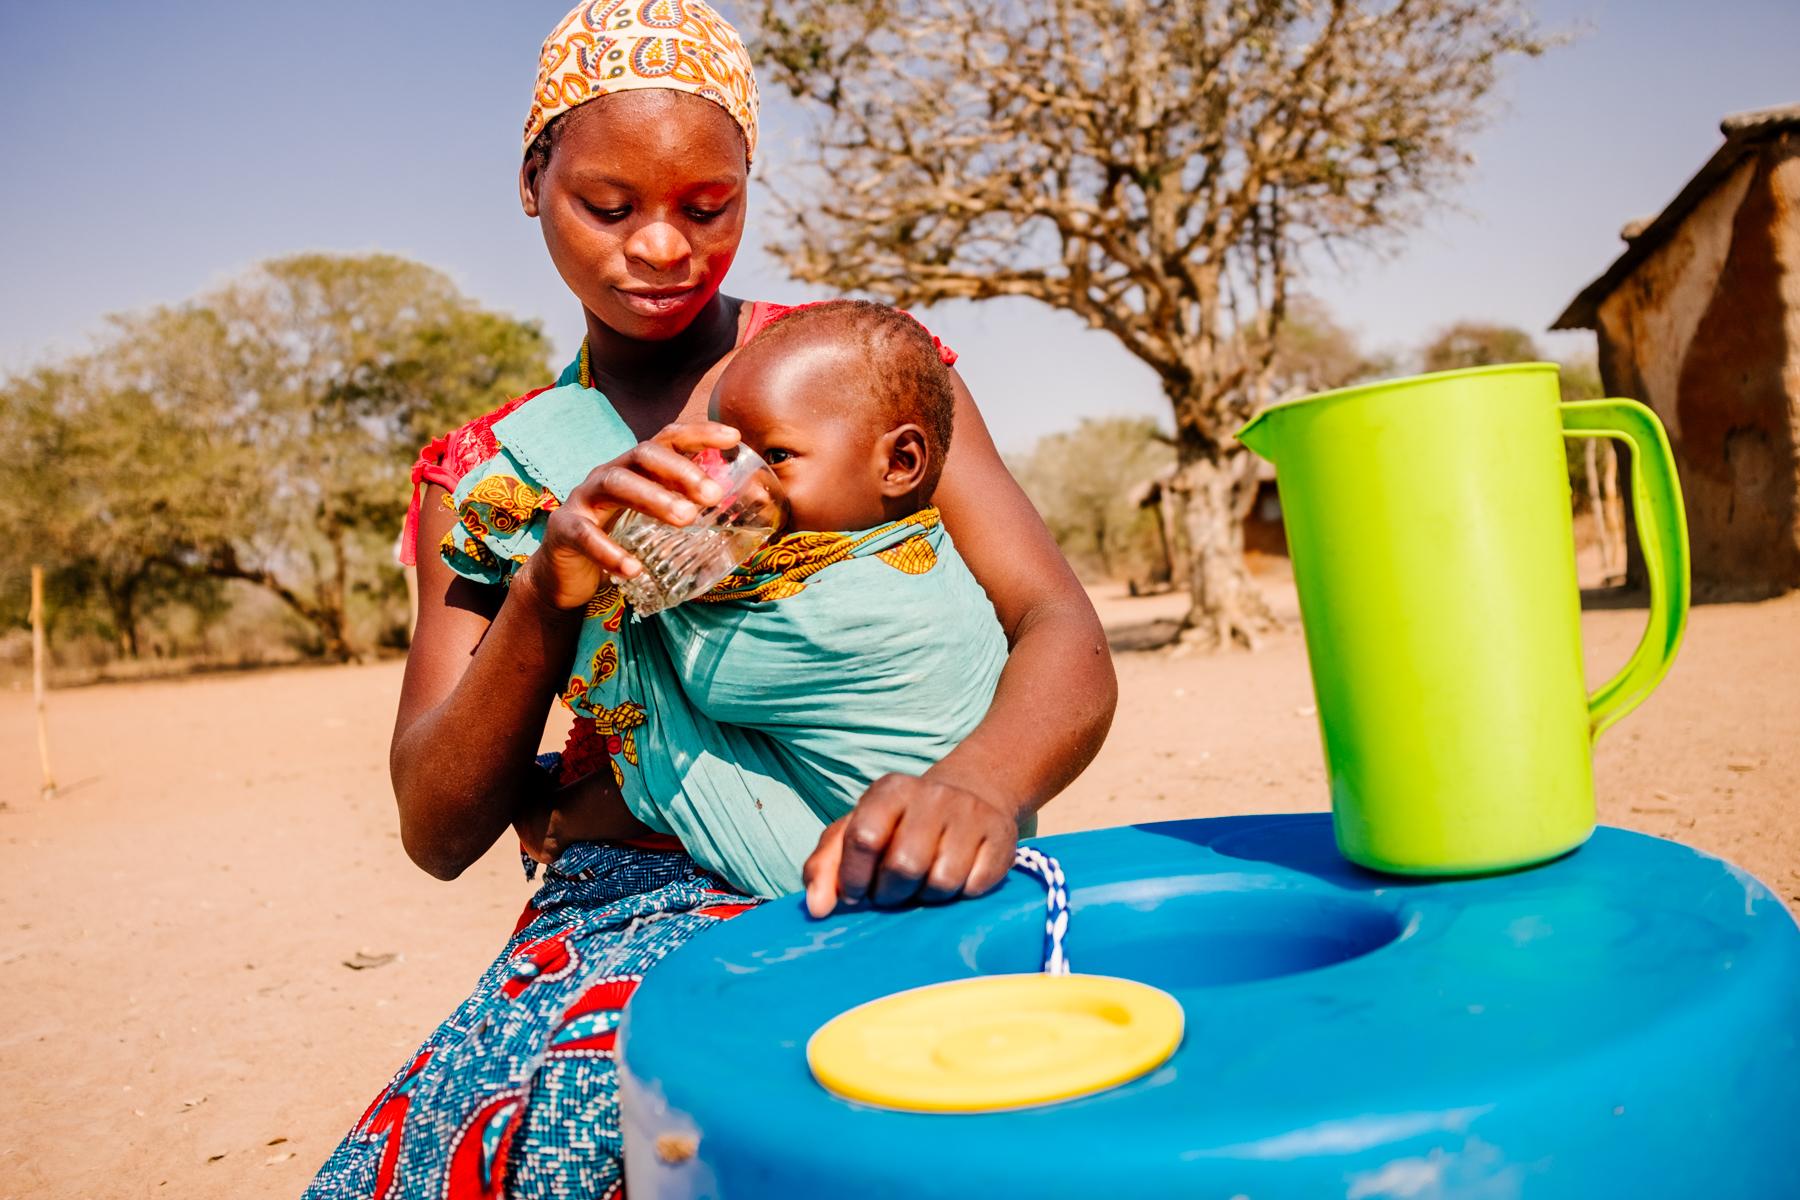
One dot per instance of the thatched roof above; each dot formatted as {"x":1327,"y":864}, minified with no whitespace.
{"x":1743,"y":133}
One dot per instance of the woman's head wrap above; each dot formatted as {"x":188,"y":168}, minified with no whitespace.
{"x":606,"y":46}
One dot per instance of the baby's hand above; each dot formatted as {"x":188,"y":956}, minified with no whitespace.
{"x":910,"y":838}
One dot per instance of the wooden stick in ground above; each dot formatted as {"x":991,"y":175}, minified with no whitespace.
{"x":37,"y":677}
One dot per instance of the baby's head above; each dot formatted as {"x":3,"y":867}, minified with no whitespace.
{"x":850,"y":403}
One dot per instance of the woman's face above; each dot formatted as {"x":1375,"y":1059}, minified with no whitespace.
{"x":642,"y":207}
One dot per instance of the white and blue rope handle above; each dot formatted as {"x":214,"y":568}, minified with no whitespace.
{"x":1049,"y":872}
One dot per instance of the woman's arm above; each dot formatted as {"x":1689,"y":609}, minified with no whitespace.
{"x":1057,"y":693}
{"x":484,"y":667}
{"x":953,"y":830}
{"x":485,"y":664}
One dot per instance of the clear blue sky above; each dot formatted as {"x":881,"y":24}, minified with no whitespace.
{"x":149,"y":151}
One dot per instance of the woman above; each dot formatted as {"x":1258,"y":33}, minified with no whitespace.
{"x":636,"y":167}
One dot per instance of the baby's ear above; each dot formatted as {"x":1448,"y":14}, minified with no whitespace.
{"x":908,"y":460}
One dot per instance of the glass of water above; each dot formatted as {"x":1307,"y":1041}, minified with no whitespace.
{"x":684,"y":561}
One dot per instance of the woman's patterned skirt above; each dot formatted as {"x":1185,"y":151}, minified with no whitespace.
{"x":516,"y":1093}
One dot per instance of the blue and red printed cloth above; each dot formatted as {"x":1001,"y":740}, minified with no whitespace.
{"x":516,"y":1093}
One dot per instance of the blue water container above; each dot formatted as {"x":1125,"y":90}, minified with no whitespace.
{"x":1622,"y":1022}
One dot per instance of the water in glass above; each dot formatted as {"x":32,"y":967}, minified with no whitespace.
{"x":681,"y":562}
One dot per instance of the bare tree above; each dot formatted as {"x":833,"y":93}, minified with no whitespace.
{"x":1160,"y":169}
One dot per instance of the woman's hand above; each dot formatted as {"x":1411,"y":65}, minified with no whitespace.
{"x":656,"y":478}
{"x":910,"y":838}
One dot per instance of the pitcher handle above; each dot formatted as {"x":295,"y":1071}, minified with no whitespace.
{"x":1662,"y":534}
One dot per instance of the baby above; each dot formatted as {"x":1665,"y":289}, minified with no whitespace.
{"x":855,"y":645}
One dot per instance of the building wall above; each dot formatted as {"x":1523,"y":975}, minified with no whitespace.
{"x":1707,"y":332}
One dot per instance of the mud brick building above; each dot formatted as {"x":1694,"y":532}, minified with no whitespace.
{"x":1700,"y":319}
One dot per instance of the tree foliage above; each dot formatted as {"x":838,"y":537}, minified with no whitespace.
{"x":1162,"y":170}
{"x":1478,"y":344}
{"x":1312,"y":352}
{"x":90,"y":503}
{"x":259,"y":433}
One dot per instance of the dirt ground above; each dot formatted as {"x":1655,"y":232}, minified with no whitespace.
{"x":176,"y":1012}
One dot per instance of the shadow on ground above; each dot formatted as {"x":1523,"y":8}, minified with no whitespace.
{"x":1142,"y":635}
{"x":1619,"y":599}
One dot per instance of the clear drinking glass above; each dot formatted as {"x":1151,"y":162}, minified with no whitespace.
{"x":684,"y":561}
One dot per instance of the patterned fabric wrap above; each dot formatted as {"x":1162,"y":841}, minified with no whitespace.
{"x":516,"y":1093}
{"x":607,"y":46}
{"x":746,"y":722}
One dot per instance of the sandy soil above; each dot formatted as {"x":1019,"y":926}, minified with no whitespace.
{"x":178,"y":1018}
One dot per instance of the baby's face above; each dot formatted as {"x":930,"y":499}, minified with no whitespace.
{"x":803,"y":406}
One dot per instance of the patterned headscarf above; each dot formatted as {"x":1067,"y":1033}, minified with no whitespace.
{"x":606,"y":46}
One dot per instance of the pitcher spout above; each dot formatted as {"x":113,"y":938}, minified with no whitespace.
{"x":1258,"y":435}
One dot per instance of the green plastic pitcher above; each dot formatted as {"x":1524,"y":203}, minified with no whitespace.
{"x":1429,"y":523}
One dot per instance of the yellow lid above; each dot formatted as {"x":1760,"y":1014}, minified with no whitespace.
{"x":996,"y":1042}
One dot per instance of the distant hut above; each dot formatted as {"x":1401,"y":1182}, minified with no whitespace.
{"x":1700,"y":319}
